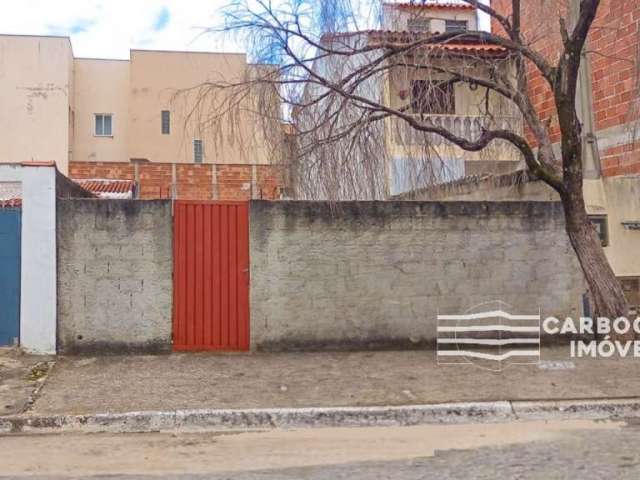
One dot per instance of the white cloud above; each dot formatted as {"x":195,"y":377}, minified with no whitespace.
{"x":109,"y":28}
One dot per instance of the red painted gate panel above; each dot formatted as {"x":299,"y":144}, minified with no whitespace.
{"x":211,"y":275}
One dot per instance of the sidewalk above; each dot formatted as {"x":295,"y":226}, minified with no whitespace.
{"x":21,"y":376}
{"x":80,"y":385}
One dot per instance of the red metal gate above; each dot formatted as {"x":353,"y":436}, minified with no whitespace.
{"x":211,"y":275}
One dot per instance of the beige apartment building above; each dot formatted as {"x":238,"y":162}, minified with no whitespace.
{"x":57,"y":107}
{"x":419,"y":83}
{"x":461,"y":108}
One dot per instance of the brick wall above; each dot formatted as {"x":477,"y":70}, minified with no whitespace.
{"x":154,"y":180}
{"x":541,"y":32}
{"x":621,"y":160}
{"x":192,"y":181}
{"x":111,"y":170}
{"x":615,"y":38}
{"x":615,"y":42}
{"x":234,"y":181}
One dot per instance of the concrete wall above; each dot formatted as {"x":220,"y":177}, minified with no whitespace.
{"x":114,"y":275}
{"x":376,"y":274}
{"x":622,"y":204}
{"x":512,"y":187}
{"x":616,"y":197}
{"x":38,"y":264}
{"x":101,"y":86}
{"x":67,"y":188}
{"x":35,"y":86}
{"x":38,"y":253}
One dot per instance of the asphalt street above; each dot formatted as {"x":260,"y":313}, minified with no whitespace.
{"x":516,"y":450}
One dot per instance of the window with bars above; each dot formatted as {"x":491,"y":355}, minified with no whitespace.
{"x":197,"y":151}
{"x":166,"y":122}
{"x":433,"y":97}
{"x":631,"y":288}
{"x":455,"y":26}
{"x":104,"y":125}
{"x":418,"y":25}
{"x":601,"y":227}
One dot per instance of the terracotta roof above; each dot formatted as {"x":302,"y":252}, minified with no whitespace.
{"x":431,"y":5}
{"x":404,"y":36}
{"x":39,"y":164}
{"x":106,"y":188}
{"x":11,"y":203}
{"x":473,"y":48}
{"x":10,"y":195}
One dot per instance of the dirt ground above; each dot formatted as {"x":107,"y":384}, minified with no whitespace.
{"x":21,"y":376}
{"x":79,"y":385}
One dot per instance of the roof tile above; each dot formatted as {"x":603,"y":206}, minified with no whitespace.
{"x":106,"y":188}
{"x":11,"y":203}
{"x":404,"y":36}
{"x":432,"y":5}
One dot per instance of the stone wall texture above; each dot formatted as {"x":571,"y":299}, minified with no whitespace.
{"x":375,"y":274}
{"x":114,"y":276}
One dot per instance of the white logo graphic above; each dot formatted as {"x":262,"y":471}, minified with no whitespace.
{"x":617,"y":335}
{"x":488,"y":336}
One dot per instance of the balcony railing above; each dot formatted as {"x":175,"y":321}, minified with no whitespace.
{"x":468,"y":127}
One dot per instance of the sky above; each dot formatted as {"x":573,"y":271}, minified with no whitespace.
{"x":109,"y":28}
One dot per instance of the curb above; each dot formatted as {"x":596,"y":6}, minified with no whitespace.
{"x":577,"y":409}
{"x":268,"y":418}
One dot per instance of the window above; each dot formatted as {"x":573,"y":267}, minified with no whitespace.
{"x":432,"y":97}
{"x":418,"y":25}
{"x":104,"y":125}
{"x":166,"y":122}
{"x":599,"y":222}
{"x":197,"y":151}
{"x":631,"y":288}
{"x":455,"y":26}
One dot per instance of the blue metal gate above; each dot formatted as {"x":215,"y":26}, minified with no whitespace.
{"x":9,"y":275}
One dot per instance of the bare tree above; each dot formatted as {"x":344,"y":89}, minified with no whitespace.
{"x":334,"y":76}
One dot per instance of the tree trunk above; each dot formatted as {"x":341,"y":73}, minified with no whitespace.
{"x":606,"y":291}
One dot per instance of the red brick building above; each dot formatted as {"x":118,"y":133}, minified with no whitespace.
{"x":609,"y":84}
{"x":609,"y":109}
{"x":188,"y":181}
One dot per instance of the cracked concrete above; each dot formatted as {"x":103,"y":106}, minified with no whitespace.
{"x":21,"y":377}
{"x":88,"y":385}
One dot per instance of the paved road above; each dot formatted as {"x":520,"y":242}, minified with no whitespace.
{"x":517,"y":450}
